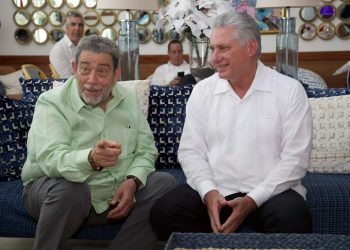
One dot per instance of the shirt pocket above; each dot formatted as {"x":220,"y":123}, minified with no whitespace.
{"x":128,"y":142}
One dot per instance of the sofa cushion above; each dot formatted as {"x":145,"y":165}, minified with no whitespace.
{"x":318,"y":92}
{"x":311,"y":78}
{"x":16,"y":117}
{"x":166,"y":116}
{"x":331,"y":134}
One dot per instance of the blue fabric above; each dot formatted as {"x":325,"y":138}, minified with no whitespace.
{"x":16,"y":117}
{"x":166,"y":116}
{"x":318,"y":92}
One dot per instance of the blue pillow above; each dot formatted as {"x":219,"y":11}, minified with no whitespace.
{"x":318,"y":92}
{"x":16,"y":117}
{"x":166,"y":116}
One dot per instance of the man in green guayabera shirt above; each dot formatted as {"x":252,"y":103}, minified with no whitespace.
{"x":91,"y":156}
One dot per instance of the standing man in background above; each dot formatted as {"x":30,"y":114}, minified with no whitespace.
{"x":63,"y":53}
{"x":172,"y":72}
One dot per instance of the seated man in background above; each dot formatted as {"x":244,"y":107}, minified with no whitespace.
{"x":91,"y":156}
{"x":63,"y":52}
{"x":172,"y":72}
{"x":245,"y":144}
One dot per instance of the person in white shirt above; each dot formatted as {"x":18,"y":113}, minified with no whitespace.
{"x":245,"y":144}
{"x":168,"y":74}
{"x":63,"y":53}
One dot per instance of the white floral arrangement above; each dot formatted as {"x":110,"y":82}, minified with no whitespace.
{"x":196,"y":16}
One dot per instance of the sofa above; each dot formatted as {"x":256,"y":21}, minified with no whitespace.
{"x":327,"y":181}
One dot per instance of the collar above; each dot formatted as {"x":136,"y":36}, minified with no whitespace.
{"x":68,"y":42}
{"x":260,"y":81}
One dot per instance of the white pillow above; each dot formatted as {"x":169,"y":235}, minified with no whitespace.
{"x":141,"y":87}
{"x":11,"y":82}
{"x":331,"y":134}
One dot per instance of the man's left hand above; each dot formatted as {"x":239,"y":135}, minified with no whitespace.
{"x":241,"y":208}
{"x":123,"y":200}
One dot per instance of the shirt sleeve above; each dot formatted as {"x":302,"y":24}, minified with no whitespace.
{"x":193,"y":148}
{"x":295,"y":148}
{"x":61,"y":61}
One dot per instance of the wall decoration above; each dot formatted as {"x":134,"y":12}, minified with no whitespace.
{"x":308,"y":14}
{"x":343,"y":30}
{"x":307,"y":31}
{"x":326,"y":31}
{"x":268,"y":19}
{"x":326,"y":12}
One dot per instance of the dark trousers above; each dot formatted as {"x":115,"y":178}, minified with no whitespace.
{"x":182,"y":210}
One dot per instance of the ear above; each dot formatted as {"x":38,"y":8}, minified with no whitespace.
{"x":252,"y":47}
{"x":117,"y":74}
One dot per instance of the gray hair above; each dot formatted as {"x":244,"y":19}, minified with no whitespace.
{"x":71,"y":14}
{"x":246,"y":27}
{"x":97,"y":44}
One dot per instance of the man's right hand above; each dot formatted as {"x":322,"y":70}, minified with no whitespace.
{"x":106,"y":153}
{"x":214,"y":201}
{"x":175,"y":81}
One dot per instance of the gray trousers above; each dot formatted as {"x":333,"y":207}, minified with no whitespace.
{"x":61,"y":207}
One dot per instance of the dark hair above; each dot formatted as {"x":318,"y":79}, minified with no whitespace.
{"x":246,"y":27}
{"x":98,"y":45}
{"x":174,"y":42}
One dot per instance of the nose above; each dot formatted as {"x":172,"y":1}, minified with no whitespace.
{"x":92,"y":76}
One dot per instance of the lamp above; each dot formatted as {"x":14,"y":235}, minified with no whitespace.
{"x":287,"y":40}
{"x":128,"y":40}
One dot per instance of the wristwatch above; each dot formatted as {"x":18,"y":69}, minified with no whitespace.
{"x":135,"y":179}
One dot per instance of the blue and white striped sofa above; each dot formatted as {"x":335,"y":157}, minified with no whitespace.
{"x":328,"y":193}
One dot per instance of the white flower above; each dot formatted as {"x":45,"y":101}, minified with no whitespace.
{"x":198,"y":15}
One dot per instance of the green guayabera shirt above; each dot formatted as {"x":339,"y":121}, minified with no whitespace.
{"x":64,"y":130}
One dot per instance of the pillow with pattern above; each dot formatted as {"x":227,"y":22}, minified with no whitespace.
{"x":330,"y":151}
{"x":318,"y":92}
{"x":16,"y":117}
{"x":166,"y":116}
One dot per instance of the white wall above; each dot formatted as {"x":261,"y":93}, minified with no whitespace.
{"x":9,"y":46}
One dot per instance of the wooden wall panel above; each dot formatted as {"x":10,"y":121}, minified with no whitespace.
{"x":323,"y":63}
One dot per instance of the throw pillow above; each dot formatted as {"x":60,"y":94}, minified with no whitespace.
{"x":16,"y":117}
{"x":330,"y":151}
{"x":318,"y":92}
{"x":311,"y":78}
{"x":166,"y":116}
{"x":32,"y":88}
{"x":11,"y":82}
{"x":141,"y":87}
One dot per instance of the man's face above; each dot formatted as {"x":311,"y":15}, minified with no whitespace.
{"x":75,"y":29}
{"x":96,"y":77}
{"x":229,"y":57}
{"x":176,"y":54}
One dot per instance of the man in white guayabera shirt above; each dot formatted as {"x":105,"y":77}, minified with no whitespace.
{"x":245,"y":144}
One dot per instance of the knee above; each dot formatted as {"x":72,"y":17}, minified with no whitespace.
{"x":71,"y":194}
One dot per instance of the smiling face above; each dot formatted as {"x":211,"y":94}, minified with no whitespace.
{"x":233,"y":60}
{"x":75,"y":29}
{"x":96,"y":77}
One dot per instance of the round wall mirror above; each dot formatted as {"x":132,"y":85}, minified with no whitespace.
{"x":326,"y":31}
{"x":108,"y":17}
{"x":154,"y":17}
{"x":308,"y":14}
{"x":39,"y":18}
{"x":109,"y":33}
{"x":144,"y":34}
{"x":21,"y":4}
{"x":91,"y":31}
{"x":73,"y":4}
{"x":90,"y":4}
{"x":326,"y":12}
{"x":159,"y":35}
{"x":173,"y":35}
{"x":343,"y":30}
{"x":123,"y":15}
{"x":343,"y":12}
{"x":91,"y":18}
{"x":307,"y":31}
{"x":56,"y":3}
{"x":40,"y":35}
{"x":39,"y":4}
{"x":142,"y":18}
{"x":56,"y":18}
{"x":21,"y":17}
{"x":56,"y":35}
{"x":23,"y":35}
